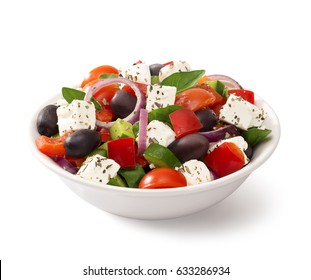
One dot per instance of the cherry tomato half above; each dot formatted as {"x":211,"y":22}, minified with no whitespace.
{"x":202,"y":80}
{"x":104,"y":134}
{"x":162,"y":177}
{"x":104,"y":115}
{"x":96,"y":72}
{"x":218,"y":98}
{"x":142,"y":87}
{"x":52,"y":147}
{"x":195,"y":99}
{"x":105,"y":94}
{"x":103,"y":97}
{"x":77,"y":162}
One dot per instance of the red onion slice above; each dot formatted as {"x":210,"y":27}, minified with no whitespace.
{"x":140,"y":103}
{"x":229,"y":82}
{"x":65,"y":164}
{"x":142,"y":136}
{"x":221,"y":133}
{"x":213,"y":175}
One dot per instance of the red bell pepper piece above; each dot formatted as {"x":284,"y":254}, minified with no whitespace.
{"x":184,"y":122}
{"x":245,"y":94}
{"x":122,"y":151}
{"x":168,"y":63}
{"x":225,"y":159}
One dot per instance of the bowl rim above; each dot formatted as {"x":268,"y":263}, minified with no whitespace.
{"x":272,"y":139}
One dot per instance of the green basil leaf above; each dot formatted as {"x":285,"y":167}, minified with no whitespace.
{"x":132,"y":176}
{"x":163,"y":114}
{"x":254,"y":135}
{"x":105,"y":76}
{"x":183,"y":80}
{"x":70,"y":94}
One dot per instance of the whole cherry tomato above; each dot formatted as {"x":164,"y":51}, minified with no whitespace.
{"x":162,"y":177}
{"x":95,"y":73}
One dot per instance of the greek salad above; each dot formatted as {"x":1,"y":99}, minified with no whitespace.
{"x":152,"y":126}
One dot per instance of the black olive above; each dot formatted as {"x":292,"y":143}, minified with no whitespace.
{"x":155,"y":69}
{"x":249,"y":151}
{"x":191,"y":146}
{"x":208,"y":119}
{"x":82,"y":142}
{"x":47,"y":121}
{"x":122,"y":103}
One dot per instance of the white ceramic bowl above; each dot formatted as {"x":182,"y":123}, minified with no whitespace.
{"x":161,"y":203}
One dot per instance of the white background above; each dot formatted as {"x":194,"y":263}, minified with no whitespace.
{"x":261,"y":231}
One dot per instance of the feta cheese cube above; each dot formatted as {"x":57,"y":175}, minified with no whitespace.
{"x":160,"y":96}
{"x":79,"y":114}
{"x":258,"y":118}
{"x":196,"y":172}
{"x":176,"y":66}
{"x":241,"y":113}
{"x":160,"y":133}
{"x":98,"y":169}
{"x":139,"y":73}
{"x":237,"y":140}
